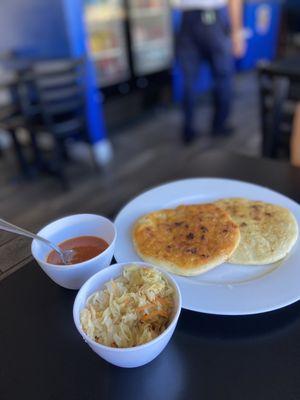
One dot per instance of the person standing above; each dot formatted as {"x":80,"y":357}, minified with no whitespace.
{"x":211,"y":30}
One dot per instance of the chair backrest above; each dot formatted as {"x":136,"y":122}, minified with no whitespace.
{"x":60,"y":88}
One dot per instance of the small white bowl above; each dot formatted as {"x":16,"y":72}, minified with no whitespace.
{"x":73,"y":276}
{"x":132,"y":356}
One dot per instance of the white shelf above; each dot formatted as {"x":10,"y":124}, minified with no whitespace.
{"x":148,"y":68}
{"x":148,"y":12}
{"x":108,"y":53}
{"x":162,"y":42}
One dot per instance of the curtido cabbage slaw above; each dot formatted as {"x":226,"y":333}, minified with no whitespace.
{"x":131,"y":310}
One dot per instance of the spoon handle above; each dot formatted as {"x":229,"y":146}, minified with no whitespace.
{"x":7,"y":226}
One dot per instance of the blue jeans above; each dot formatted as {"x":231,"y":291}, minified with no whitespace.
{"x":199,"y":41}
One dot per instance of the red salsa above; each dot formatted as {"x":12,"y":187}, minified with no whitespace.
{"x":85,"y":248}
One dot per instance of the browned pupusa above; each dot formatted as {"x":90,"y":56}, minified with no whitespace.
{"x":187,"y":240}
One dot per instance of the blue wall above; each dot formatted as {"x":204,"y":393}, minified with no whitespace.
{"x":33,"y":27}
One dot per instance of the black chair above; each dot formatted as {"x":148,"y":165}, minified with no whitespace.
{"x":12,"y":119}
{"x":58,"y":89}
{"x":18,"y":111}
{"x":279,"y":86}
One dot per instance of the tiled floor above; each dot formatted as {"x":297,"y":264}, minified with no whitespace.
{"x":163,"y":127}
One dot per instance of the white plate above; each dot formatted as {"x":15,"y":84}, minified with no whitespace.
{"x":227,"y":289}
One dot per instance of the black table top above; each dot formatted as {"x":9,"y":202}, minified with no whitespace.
{"x":42,"y":356}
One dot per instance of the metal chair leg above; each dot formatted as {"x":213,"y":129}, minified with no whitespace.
{"x":21,"y":159}
{"x":39,"y":161}
{"x":60,"y":154}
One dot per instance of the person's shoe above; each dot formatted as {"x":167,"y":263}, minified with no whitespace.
{"x":188,"y":139}
{"x":224,"y":131}
{"x":188,"y":136}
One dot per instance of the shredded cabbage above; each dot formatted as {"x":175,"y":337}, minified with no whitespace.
{"x":131,"y":310}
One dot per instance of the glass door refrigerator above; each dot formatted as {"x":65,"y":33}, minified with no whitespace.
{"x":151,"y":36}
{"x":105,"y":20}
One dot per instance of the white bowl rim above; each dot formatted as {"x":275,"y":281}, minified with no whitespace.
{"x":77,"y":265}
{"x":141,"y":346}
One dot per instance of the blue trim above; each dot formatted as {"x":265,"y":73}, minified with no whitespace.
{"x":78,"y":42}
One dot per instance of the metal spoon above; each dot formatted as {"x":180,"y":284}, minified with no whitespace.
{"x":65,"y":255}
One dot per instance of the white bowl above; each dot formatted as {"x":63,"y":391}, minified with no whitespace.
{"x":73,"y":276}
{"x":132,"y":356}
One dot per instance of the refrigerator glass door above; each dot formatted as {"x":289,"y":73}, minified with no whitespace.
{"x":151,"y":35}
{"x":106,"y":34}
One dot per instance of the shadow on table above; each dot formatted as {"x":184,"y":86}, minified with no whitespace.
{"x":162,"y":379}
{"x":239,"y":327}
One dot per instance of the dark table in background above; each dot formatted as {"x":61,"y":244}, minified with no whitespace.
{"x":210,"y":357}
{"x":279,"y":83}
{"x":287,"y":66}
